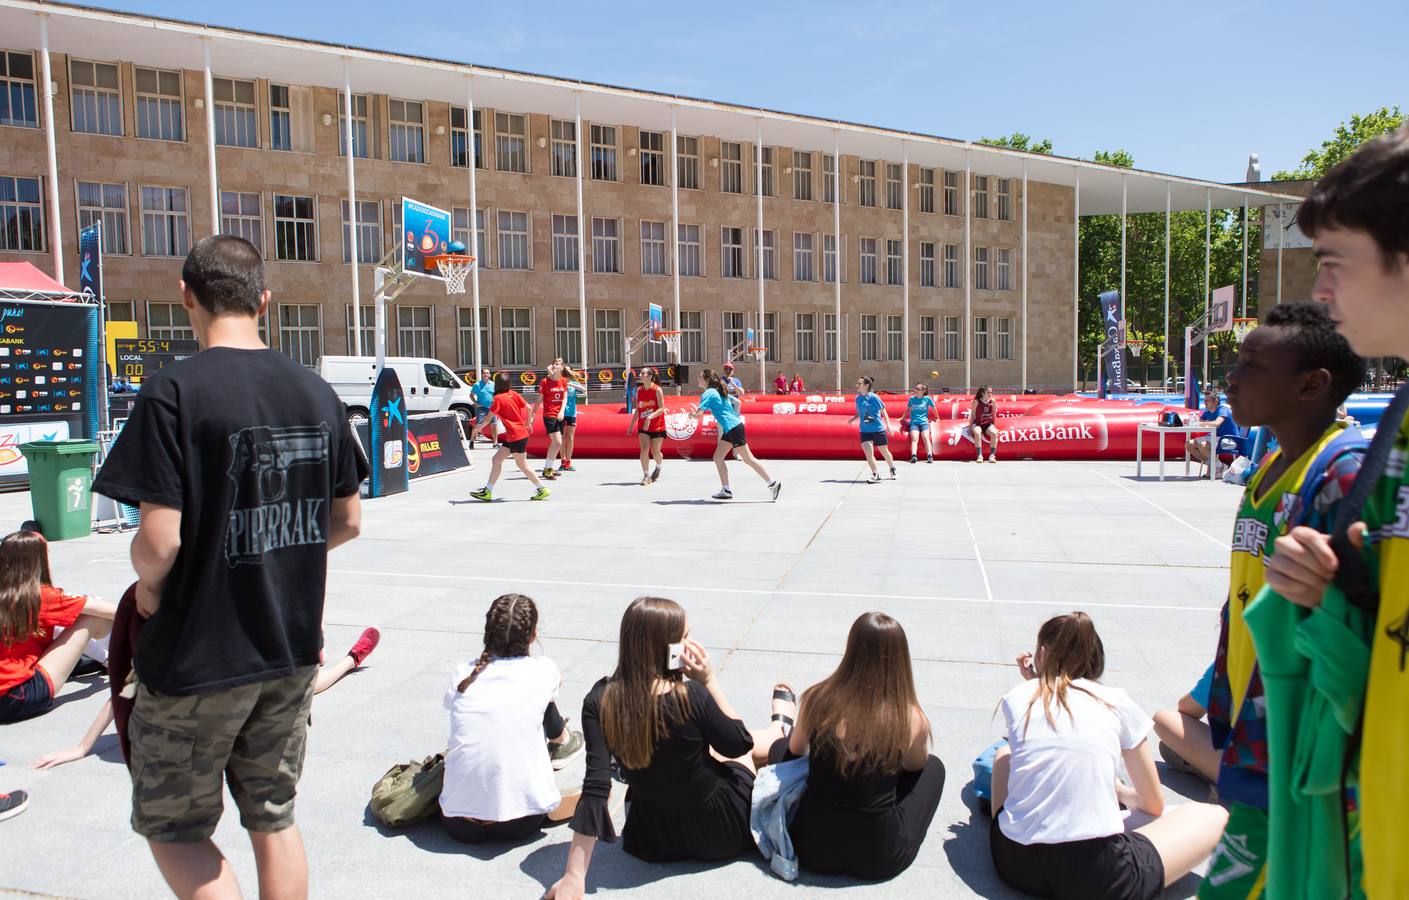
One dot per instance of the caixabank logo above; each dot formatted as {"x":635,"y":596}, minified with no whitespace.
{"x":1067,"y":429}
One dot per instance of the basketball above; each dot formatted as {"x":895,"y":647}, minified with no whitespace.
{"x":455,"y":247}
{"x":934,"y":374}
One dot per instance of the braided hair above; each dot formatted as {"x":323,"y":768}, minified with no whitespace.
{"x":509,"y":627}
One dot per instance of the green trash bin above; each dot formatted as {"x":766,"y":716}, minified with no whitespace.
{"x":60,"y":485}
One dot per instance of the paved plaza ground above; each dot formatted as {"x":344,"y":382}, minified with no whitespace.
{"x":970,"y":558}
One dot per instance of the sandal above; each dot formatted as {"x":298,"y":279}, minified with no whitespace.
{"x":782,"y":691}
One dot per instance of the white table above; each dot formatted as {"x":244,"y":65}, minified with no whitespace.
{"x":1192,"y":429}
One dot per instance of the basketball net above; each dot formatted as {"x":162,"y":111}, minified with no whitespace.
{"x":454,"y":270}
{"x":1241,"y":328}
{"x":671,"y":339}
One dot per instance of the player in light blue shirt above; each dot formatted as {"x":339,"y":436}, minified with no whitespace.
{"x":919,"y":410}
{"x":717,"y":402}
{"x":483,"y":393}
{"x":875,"y":426}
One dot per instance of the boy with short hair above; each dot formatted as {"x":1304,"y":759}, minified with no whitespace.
{"x":1293,"y":372}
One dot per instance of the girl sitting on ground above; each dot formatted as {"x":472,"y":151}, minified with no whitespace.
{"x":1185,"y":740}
{"x":33,"y":663}
{"x":872,"y":784}
{"x":506,"y":734}
{"x":1057,"y":827}
{"x":683,"y":750}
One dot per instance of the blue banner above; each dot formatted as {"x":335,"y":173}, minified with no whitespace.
{"x":90,"y":261}
{"x":1114,"y":359}
{"x":386,"y":450}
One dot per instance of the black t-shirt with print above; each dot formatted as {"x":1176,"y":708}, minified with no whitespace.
{"x":252,"y":448}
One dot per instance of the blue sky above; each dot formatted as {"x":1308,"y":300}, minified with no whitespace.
{"x":1188,"y":92}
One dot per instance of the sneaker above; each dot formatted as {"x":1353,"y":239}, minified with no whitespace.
{"x":993,"y":457}
{"x":483,"y":493}
{"x":655,"y":474}
{"x":549,"y":474}
{"x":86,"y":666}
{"x":892,"y":473}
{"x":722,"y":494}
{"x":365,"y":645}
{"x":567,"y":467}
{"x":541,"y":494}
{"x":1177,"y":762}
{"x":874,"y":479}
{"x":563,"y":754}
{"x":775,"y":487}
{"x":929,"y":457}
{"x":646,"y":481}
{"x":914,"y":459}
{"x":12,"y":804}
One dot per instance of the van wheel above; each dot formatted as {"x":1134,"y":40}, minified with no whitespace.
{"x":467,"y":420}
{"x":357,"y":415}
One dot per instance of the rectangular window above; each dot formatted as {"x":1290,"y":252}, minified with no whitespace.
{"x":829,"y":179}
{"x":1005,"y":270}
{"x":465,"y":332}
{"x":653,"y":254}
{"x":803,"y":254}
{"x":564,"y":244}
{"x":17,"y":95}
{"x":733,"y":323}
{"x":368,"y":328}
{"x":122,"y":311}
{"x":951,"y":193}
{"x":802,"y":175}
{"x":691,"y":251}
{"x":460,"y":231}
{"x":805,"y":341}
{"x":895,"y":337}
{"x":21,"y":214}
{"x":369,"y":231}
{"x":731,"y":255}
{"x":952,"y":348}
{"x":361,"y":126}
{"x":731,"y":167}
{"x":414,"y":335}
{"x":96,"y":97}
{"x":829,"y":258}
{"x":281,"y":115}
{"x":895,"y":269}
{"x":564,"y":148}
{"x":687,"y":162}
{"x":169,"y":322}
{"x":165,"y":222}
{"x":511,"y":142}
{"x":927,"y":338}
{"x":926,"y":264}
{"x":868,"y":182}
{"x":870,"y":338}
{"x":895,"y":194}
{"x":515,"y":336}
{"x":927,"y":190}
{"x":239,"y":215}
{"x":980,"y":196}
{"x":980,"y":268}
{"x":606,"y":245}
{"x":107,"y":203}
{"x":833,"y":344}
{"x":235,"y":114}
{"x":513,"y":241}
{"x":769,"y":183}
{"x":652,"y":158}
{"x":159,"y":107}
{"x":868,"y":260}
{"x":603,"y":152}
{"x":1005,"y":199}
{"x":1005,"y":338}
{"x":301,"y":332}
{"x":981,"y":338}
{"x":607,"y":335}
{"x":951,"y":266}
{"x":406,"y":130}
{"x":296,"y":229}
{"x":567,"y":335}
{"x":460,"y":139}
{"x":770,"y":256}
{"x":692,"y":336}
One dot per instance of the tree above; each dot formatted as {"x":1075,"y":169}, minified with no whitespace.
{"x":1019,"y":141}
{"x":1348,"y":136}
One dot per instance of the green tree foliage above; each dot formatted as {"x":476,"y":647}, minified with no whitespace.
{"x":1019,"y":141}
{"x":1347,"y":137}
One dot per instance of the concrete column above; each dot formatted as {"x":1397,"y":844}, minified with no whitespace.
{"x":210,"y":141}
{"x":473,"y":249}
{"x":56,"y":232}
{"x":357,"y":348}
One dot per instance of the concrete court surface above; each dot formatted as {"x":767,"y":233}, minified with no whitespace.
{"x":970,"y":558}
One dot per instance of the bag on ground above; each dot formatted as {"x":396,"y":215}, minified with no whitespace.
{"x":409,"y":792}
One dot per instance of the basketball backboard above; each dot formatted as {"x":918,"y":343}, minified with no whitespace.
{"x":1220,"y":310}
{"x":425,"y":233}
{"x":656,"y":315}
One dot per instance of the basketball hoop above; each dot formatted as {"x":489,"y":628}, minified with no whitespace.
{"x":1241,"y":327}
{"x":453,"y":267}
{"x":1135,"y":346}
{"x":758,"y":353}
{"x":671,"y":339}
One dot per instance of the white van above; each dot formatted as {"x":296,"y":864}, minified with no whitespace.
{"x":428,"y":385}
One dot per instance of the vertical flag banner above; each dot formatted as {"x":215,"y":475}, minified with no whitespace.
{"x":386,"y":450}
{"x":1114,"y":354}
{"x":90,"y":261}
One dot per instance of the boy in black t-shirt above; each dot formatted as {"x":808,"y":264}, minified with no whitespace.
{"x":247,"y":475}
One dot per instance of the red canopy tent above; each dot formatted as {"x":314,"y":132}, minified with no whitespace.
{"x":22,"y":281}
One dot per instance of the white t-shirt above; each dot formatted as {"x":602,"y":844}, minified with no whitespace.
{"x":1062,"y":783}
{"x":497,"y":766}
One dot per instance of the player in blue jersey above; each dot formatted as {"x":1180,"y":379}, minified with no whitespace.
{"x":875,"y":426}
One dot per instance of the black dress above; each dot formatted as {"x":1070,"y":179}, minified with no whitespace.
{"x":685,"y":804}
{"x":867,"y":824}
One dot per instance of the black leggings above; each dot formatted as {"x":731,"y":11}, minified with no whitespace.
{"x":468,"y":831}
{"x":553,"y":723}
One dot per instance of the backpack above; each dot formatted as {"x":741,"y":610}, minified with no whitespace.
{"x":1353,"y":573}
{"x":409,"y":792}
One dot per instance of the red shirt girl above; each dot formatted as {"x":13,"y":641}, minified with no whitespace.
{"x":512,"y":411}
{"x":649,"y":398}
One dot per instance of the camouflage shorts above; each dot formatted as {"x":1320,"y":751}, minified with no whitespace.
{"x":184,"y":750}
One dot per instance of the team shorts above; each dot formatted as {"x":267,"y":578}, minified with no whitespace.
{"x":27,"y":699}
{"x":1124,"y":866}
{"x":735,"y":435}
{"x":185,"y":750}
{"x":515,"y":446}
{"x":569,"y":421}
{"x":554,"y":426}
{"x":1238,"y":867}
{"x":875,"y":437}
{"x":655,"y":435}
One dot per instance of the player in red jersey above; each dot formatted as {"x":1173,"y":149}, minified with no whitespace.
{"x":553,"y":394}
{"x":650,"y":422}
{"x":983,"y":424}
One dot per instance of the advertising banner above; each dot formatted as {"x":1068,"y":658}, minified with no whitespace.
{"x":386,"y":446}
{"x":433,"y":445}
{"x":1111,"y":325}
{"x":90,"y":261}
{"x":49,"y":368}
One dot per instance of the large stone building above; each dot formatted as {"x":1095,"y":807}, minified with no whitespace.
{"x":953,"y":257}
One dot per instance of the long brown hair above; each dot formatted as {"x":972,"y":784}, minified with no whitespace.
{"x":1068,"y":649}
{"x":509,"y":627}
{"x":24,"y":568}
{"x":633,"y":718}
{"x":715,"y":380}
{"x":871,"y":695}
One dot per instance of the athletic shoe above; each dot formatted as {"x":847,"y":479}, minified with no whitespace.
{"x":365,"y":645}
{"x":563,"y":754}
{"x":549,"y":474}
{"x":874,"y":479}
{"x":913,"y":459}
{"x":1177,"y":762}
{"x":12,"y":804}
{"x":775,"y":487}
{"x":655,"y":474}
{"x":646,"y":481}
{"x":892,"y":473}
{"x":993,"y":458}
{"x":541,"y":494}
{"x":929,"y":457}
{"x":567,"y":467}
{"x":483,"y":493}
{"x":722,"y":494}
{"x":86,"y":666}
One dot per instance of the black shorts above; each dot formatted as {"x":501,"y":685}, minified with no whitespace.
{"x":1124,"y":866}
{"x":554,"y":426}
{"x":515,"y":446}
{"x":569,"y":421}
{"x":28,"y":698}
{"x":735,"y":435}
{"x":655,"y":435}
{"x":875,"y":437}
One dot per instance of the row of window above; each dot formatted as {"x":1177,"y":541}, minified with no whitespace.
{"x":300,"y":328}
{"x":96,"y":108}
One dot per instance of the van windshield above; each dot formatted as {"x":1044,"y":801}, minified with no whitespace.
{"x":441,"y":377}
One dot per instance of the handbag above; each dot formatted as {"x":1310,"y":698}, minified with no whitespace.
{"x":409,"y":792}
